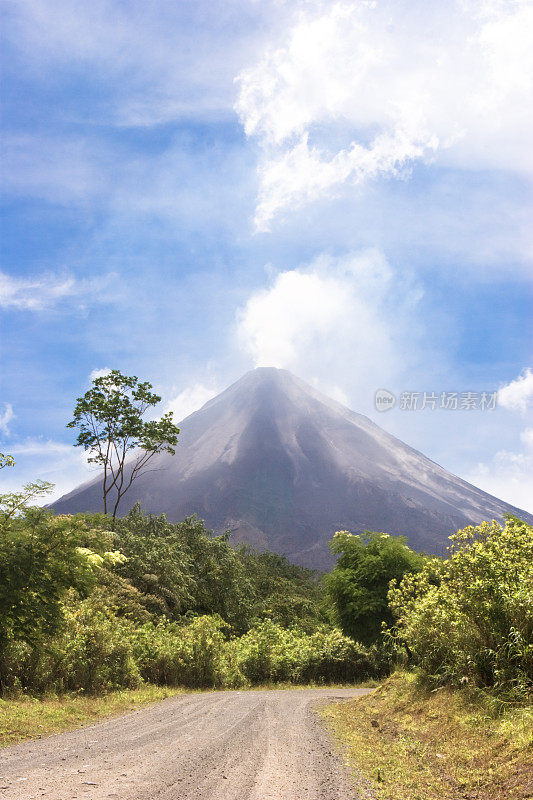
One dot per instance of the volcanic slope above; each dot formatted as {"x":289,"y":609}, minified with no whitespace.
{"x":283,"y":467}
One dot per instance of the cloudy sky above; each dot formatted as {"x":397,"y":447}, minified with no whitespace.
{"x":344,"y":189}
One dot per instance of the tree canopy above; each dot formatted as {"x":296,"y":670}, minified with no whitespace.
{"x":359,"y":582}
{"x":6,"y":461}
{"x":109,"y":418}
{"x":42,"y":556}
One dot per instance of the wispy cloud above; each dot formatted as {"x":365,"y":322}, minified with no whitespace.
{"x":61,"y":169}
{"x":40,"y":447}
{"x":48,"y":290}
{"x":119,"y":181}
{"x":190,"y":399}
{"x":357,"y":90}
{"x":509,"y":474}
{"x":37,"y":458}
{"x":156,"y":62}
{"x":5,"y":418}
{"x":99,"y":373}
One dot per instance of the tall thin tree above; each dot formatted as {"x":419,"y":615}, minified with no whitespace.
{"x":109,"y":418}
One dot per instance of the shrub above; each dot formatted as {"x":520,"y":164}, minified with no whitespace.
{"x":471,"y":616}
{"x":190,"y":655}
{"x":93,"y":653}
{"x":359,"y":581}
{"x":41,"y":557}
{"x":269,"y":653}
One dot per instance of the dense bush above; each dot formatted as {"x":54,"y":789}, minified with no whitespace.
{"x":92,"y":653}
{"x":284,"y":592}
{"x":270,"y":653}
{"x":359,"y":582}
{"x":470,"y":617}
{"x":166,"y":606}
{"x":83,"y":608}
{"x":42,"y":557}
{"x":98,"y":652}
{"x":191,"y":655}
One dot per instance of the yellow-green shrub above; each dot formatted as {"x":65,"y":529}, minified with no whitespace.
{"x":470,"y":617}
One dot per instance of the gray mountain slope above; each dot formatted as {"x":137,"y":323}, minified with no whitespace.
{"x":284,"y":467}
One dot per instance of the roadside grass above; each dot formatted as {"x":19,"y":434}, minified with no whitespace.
{"x":408,"y":743}
{"x":31,"y":718}
{"x":370,"y":683}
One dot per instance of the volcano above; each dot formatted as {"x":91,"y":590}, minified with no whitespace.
{"x":284,"y":467}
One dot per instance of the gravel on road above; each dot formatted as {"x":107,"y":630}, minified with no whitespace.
{"x":231,"y":745}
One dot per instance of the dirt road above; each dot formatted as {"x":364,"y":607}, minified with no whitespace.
{"x":252,"y":745}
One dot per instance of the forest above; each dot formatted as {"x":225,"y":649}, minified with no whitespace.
{"x":92,"y":603}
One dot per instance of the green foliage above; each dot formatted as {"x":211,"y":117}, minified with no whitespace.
{"x":359,"y":582}
{"x":85,"y":609}
{"x":470,"y":617}
{"x":182,"y":569}
{"x":222,"y":585}
{"x":92,"y":652}
{"x":157,"y":561}
{"x":115,"y":593}
{"x":96,"y":651}
{"x":109,"y":418}
{"x":269,"y":653}
{"x":41,"y":557}
{"x":6,"y":461}
{"x":13,"y":504}
{"x":284,"y":592}
{"x":193,"y":655}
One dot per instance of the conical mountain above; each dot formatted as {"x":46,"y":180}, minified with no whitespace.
{"x":284,"y":467}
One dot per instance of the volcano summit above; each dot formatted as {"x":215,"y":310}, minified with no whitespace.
{"x":284,"y":467}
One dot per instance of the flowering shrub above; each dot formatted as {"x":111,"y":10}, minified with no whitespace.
{"x":470,"y":617}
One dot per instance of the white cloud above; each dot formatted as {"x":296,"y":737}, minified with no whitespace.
{"x":301,"y":174}
{"x":356,"y":90}
{"x":509,"y":475}
{"x":40,"y":447}
{"x":343,"y":318}
{"x":5,"y":418}
{"x":168,"y":184}
{"x":61,"y":464}
{"x":99,"y":373}
{"x":518,"y":394}
{"x":59,"y":169}
{"x":190,"y":399}
{"x":48,"y":290}
{"x":526,"y":437}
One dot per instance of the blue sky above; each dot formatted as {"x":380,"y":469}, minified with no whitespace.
{"x":191,"y":189}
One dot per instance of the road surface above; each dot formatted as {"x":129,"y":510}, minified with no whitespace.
{"x":233,"y":745}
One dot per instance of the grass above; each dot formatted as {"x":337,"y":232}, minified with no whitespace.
{"x":31,"y":718}
{"x":408,"y":743}
{"x":369,"y":683}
